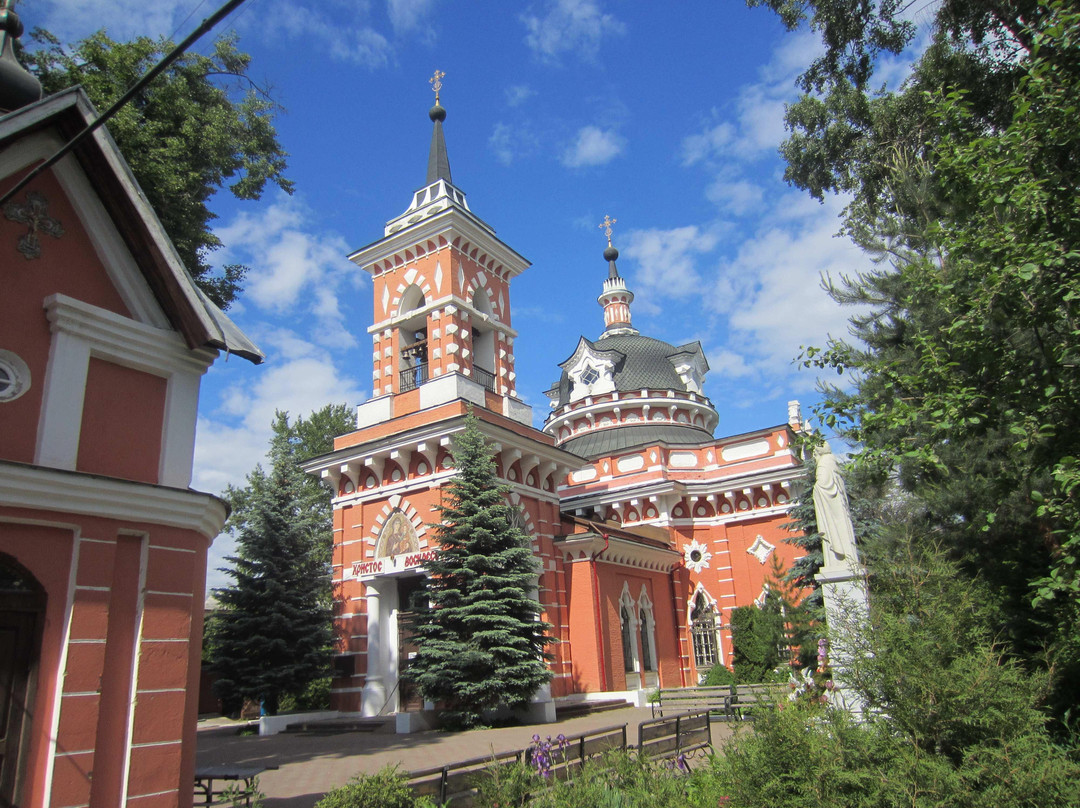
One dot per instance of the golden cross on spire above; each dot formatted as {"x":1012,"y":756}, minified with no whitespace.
{"x":606,"y":227}
{"x":436,"y":83}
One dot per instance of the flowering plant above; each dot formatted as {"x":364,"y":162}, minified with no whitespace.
{"x":543,"y":754}
{"x":813,"y":685}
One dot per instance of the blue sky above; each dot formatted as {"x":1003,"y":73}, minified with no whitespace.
{"x":666,"y":116}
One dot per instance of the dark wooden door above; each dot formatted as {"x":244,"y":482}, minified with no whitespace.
{"x":21,"y":606}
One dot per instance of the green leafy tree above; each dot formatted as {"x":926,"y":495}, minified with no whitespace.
{"x":272,"y":634}
{"x":953,"y":720}
{"x":964,"y":354}
{"x":201,"y":125}
{"x":480,"y":642}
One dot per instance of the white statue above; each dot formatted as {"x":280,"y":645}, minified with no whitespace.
{"x":831,"y":507}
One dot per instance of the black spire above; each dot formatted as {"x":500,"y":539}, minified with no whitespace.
{"x":17,"y":87}
{"x":438,"y":164}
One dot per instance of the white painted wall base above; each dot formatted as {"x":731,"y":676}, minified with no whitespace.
{"x":273,"y":724}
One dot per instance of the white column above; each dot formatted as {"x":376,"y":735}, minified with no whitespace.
{"x":62,"y":402}
{"x":390,"y":608}
{"x":178,"y":431}
{"x":374,"y":694}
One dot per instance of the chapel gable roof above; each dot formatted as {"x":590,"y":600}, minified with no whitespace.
{"x":201,"y":323}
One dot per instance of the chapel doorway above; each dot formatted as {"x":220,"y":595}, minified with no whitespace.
{"x":410,"y":590}
{"x":22,"y":602}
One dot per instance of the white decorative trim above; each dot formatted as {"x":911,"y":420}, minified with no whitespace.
{"x":17,"y":373}
{"x":696,"y":556}
{"x":761,"y":549}
{"x":136,"y":659}
{"x":128,"y":342}
{"x":65,"y":644}
{"x":25,"y":486}
{"x":81,"y":331}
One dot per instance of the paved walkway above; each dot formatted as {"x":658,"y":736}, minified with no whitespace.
{"x":310,"y":765}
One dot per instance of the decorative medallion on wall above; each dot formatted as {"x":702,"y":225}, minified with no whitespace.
{"x":760,"y":549}
{"x":34,"y":213}
{"x":14,"y":376}
{"x":696,"y":555}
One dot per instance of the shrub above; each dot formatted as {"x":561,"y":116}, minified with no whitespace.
{"x":719,"y":675}
{"x":387,"y":788}
{"x":951,"y":721}
{"x":757,"y":635}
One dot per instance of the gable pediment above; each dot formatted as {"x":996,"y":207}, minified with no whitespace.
{"x":124,"y":232}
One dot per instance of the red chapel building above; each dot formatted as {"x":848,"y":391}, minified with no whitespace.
{"x":647,"y":529}
{"x":104,"y":339}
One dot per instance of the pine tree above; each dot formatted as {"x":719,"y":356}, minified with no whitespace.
{"x":272,"y":634}
{"x":480,"y":642}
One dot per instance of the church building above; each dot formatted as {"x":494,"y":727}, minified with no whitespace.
{"x":647,"y":529}
{"x":104,"y":339}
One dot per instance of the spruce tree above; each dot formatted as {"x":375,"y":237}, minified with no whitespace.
{"x":272,"y":634}
{"x":480,"y":642}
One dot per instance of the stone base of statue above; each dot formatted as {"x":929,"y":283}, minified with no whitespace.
{"x":847,"y":615}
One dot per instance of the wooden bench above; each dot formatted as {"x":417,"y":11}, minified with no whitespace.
{"x":455,"y":783}
{"x":744,"y":698}
{"x":227,"y":787}
{"x":692,"y":699}
{"x":676,"y":737}
{"x":731,"y":701}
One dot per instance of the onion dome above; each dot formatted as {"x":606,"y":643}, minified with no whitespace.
{"x":626,"y":389}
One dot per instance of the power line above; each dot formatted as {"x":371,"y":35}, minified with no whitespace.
{"x":134,"y":90}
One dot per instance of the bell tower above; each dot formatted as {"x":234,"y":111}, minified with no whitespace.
{"x":442,"y":346}
{"x":441,"y":281}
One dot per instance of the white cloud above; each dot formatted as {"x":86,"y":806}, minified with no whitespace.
{"x":357,"y":44}
{"x":715,"y":139}
{"x":511,"y":142}
{"x":519,"y":94}
{"x":666,"y":262}
{"x":407,"y":15}
{"x":770,"y":293}
{"x":123,"y":19}
{"x":593,"y":146}
{"x":569,"y":26}
{"x":291,"y":266}
{"x":736,"y":196}
{"x":299,"y":377}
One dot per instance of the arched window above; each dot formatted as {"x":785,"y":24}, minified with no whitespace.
{"x":483,"y":338}
{"x":647,"y":627}
{"x":412,"y":341}
{"x":629,"y":657}
{"x":703,"y":633}
{"x":22,"y":603}
{"x":647,"y":662}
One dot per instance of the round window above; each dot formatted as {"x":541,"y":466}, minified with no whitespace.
{"x":695,"y":556}
{"x":14,"y":376}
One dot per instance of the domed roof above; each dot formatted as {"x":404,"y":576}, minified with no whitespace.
{"x":640,"y":363}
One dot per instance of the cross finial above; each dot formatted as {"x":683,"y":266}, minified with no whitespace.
{"x":606,"y":227}
{"x":436,"y":83}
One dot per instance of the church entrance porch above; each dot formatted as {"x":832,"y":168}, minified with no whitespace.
{"x":391,"y":600}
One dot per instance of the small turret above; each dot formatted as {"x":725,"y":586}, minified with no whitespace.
{"x":616,"y":298}
{"x":18,"y":87}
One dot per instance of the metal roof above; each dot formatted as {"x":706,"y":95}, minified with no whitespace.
{"x":616,"y":439}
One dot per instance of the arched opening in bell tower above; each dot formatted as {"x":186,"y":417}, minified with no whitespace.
{"x":412,"y":340}
{"x":483,"y":338}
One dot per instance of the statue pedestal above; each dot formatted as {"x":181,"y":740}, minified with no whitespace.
{"x":847,"y":615}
